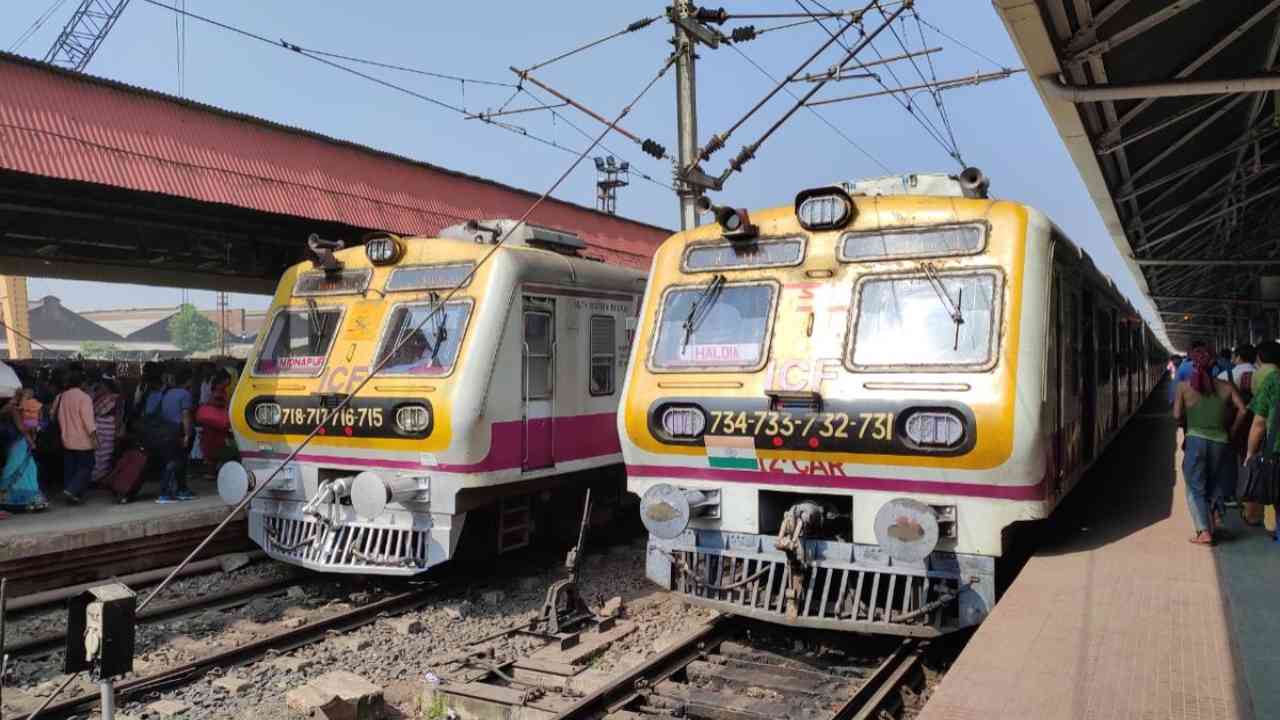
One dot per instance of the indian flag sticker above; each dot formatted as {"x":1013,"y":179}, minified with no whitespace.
{"x":732,"y":453}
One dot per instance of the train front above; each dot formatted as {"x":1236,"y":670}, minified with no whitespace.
{"x":364,"y":492}
{"x":820,"y":412}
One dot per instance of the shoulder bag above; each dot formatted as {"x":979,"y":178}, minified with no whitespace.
{"x":1260,"y":481}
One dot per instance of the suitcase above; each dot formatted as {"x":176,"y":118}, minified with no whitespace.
{"x":126,"y":477}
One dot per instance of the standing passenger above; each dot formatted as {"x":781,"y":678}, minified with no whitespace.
{"x":1185,"y":369}
{"x":173,"y":404}
{"x":1207,"y":456}
{"x":1268,"y":360}
{"x":79,"y":430}
{"x":108,"y":411}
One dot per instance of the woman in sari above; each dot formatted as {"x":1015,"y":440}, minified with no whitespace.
{"x":19,"y":484}
{"x":108,"y":413}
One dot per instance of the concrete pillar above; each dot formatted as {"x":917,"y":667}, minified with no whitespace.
{"x":13,"y":298}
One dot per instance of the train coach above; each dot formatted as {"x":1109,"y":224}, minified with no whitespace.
{"x":835,"y":409}
{"x":497,"y":382}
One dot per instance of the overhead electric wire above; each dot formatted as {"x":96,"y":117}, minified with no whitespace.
{"x":282,"y":44}
{"x":834,"y":128}
{"x":404,"y":68}
{"x":906,"y":105}
{"x":39,"y":23}
{"x":637,"y":25}
{"x":941,"y":32}
{"x":934,"y":92}
{"x":606,"y":148}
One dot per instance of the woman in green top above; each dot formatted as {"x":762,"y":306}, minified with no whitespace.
{"x":1207,"y":459}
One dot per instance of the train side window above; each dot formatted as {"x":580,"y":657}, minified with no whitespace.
{"x":601,"y":347}
{"x":1073,"y":319}
{"x":1105,"y":354}
{"x":538,"y":338}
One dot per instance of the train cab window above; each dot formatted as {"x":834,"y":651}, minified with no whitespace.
{"x":914,"y":322}
{"x":602,"y":352}
{"x":920,"y":242}
{"x":539,"y":335}
{"x":770,"y":252}
{"x":421,"y":341}
{"x":298,"y":341}
{"x":713,"y":326}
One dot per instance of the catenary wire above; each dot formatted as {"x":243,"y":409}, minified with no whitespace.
{"x":604,"y":147}
{"x":943,"y":33}
{"x":404,"y":68}
{"x":934,"y":92}
{"x":637,"y":25}
{"x":509,"y":127}
{"x":834,"y":128}
{"x":35,"y":26}
{"x":931,"y":131}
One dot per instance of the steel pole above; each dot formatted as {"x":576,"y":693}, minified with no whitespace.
{"x":686,"y":116}
{"x":108,"y":699}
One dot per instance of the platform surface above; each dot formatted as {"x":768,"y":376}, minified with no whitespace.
{"x":100,"y":521}
{"x":1119,"y":616}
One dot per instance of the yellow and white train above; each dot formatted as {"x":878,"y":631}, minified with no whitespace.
{"x":485,"y":408}
{"x":835,"y":409}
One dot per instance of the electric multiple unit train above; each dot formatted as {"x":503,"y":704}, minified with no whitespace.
{"x":835,"y":409}
{"x":483,"y":406}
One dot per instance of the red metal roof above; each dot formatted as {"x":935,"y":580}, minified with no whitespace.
{"x":71,"y":126}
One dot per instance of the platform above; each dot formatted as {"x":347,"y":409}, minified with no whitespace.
{"x":67,"y":544}
{"x":1119,"y":616}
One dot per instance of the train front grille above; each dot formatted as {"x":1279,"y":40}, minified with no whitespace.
{"x":348,"y":546}
{"x":876,"y":600}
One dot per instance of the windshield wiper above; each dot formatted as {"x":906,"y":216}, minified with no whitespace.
{"x":953,"y":309}
{"x":708,"y":295}
{"x":316,"y":324}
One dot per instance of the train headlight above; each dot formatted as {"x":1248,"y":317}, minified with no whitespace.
{"x":934,"y":428}
{"x":907,"y":529}
{"x":267,"y":414}
{"x":235,"y":482}
{"x":684,"y":422}
{"x":413,"y":419}
{"x":823,"y":208}
{"x":383,"y":250}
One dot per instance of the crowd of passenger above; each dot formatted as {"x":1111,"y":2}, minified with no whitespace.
{"x":1226,"y":408}
{"x":76,"y":428}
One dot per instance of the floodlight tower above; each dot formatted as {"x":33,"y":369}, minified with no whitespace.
{"x":610,"y":175}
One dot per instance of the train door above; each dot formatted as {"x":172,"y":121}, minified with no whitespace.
{"x":1114,"y":355}
{"x":1055,"y":379}
{"x":1089,"y":372}
{"x":538,"y":382}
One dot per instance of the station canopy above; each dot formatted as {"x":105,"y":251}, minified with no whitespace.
{"x":1168,"y":111}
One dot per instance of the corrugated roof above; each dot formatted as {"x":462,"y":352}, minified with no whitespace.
{"x":71,"y":126}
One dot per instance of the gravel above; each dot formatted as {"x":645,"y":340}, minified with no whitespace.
{"x":382,"y":652}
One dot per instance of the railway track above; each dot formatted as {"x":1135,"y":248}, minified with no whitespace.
{"x":729,"y":668}
{"x":279,"y":642}
{"x":232,"y":598}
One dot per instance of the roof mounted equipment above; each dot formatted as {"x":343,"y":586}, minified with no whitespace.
{"x":322,"y":253}
{"x":734,"y":222}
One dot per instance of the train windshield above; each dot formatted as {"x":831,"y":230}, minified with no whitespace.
{"x":421,"y":341}
{"x":298,"y":341}
{"x":937,"y":320}
{"x":714,"y":326}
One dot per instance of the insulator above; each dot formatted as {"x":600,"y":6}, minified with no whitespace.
{"x":745,"y":155}
{"x":651,"y":147}
{"x":743,"y":34}
{"x":717,"y":16}
{"x":715,"y":143}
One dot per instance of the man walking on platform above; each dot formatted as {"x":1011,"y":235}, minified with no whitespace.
{"x":79,"y":430}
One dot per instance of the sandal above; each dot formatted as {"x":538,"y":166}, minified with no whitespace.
{"x":1195,"y":540}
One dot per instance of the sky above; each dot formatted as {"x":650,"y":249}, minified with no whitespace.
{"x":1000,"y":127}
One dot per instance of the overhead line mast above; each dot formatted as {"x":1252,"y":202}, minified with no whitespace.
{"x":84,"y":33}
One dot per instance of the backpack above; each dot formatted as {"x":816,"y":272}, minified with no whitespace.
{"x":158,"y":435}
